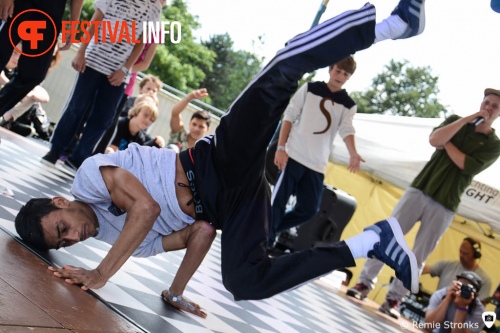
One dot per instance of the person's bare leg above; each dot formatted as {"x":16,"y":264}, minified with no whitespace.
{"x":196,"y":239}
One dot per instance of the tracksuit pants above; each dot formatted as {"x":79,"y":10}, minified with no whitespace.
{"x":229,"y":166}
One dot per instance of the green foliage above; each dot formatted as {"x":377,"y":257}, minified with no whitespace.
{"x":402,"y":90}
{"x":231,"y":72}
{"x":87,"y":10}
{"x":183,"y":65}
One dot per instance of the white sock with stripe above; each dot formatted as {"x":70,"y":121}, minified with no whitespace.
{"x":390,"y":28}
{"x":362,"y":243}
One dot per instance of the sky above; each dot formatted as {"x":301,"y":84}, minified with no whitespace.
{"x":461,"y":41}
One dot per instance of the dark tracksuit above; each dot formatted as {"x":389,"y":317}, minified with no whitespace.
{"x":31,"y":70}
{"x":227,"y":178}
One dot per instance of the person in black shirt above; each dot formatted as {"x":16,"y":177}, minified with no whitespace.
{"x":133,"y":128}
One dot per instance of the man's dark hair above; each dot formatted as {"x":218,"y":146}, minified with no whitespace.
{"x":202,"y":115}
{"x":29,"y":222}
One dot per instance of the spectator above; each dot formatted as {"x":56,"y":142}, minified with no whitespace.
{"x":316,"y":113}
{"x":150,"y":85}
{"x":456,"y":308}
{"x":32,"y":70}
{"x":463,"y":149}
{"x":199,"y":125}
{"x":447,"y":270}
{"x":103,"y":67}
{"x":133,"y":128}
{"x":28,"y":117}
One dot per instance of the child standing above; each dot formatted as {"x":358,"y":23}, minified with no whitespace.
{"x":314,"y":116}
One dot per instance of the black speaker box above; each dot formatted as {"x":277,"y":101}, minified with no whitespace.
{"x":337,"y":208}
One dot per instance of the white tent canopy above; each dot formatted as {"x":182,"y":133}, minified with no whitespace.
{"x":397,"y":148}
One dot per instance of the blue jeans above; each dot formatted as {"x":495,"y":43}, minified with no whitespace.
{"x":90,"y":85}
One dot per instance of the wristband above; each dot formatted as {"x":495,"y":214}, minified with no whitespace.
{"x":187,"y":98}
{"x":124,"y":70}
{"x":280,"y":148}
{"x":461,"y":309}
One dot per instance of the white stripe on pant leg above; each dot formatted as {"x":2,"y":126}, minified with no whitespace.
{"x":277,"y":186}
{"x":362,"y":11}
{"x":349,"y":19}
{"x":319,"y":35}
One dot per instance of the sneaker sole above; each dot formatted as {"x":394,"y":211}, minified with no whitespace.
{"x":396,"y":230}
{"x":47,"y":163}
{"x":389,"y":313}
{"x":355,"y":295}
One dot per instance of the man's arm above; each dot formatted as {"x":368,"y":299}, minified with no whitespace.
{"x":74,"y":14}
{"x":127,"y":193}
{"x":281,"y":157}
{"x":117,"y":77}
{"x":7,"y":9}
{"x":461,"y":305}
{"x":440,"y":136}
{"x":354,"y":158}
{"x":175,"y":120}
{"x":437,"y":314}
{"x":455,"y":154}
{"x":144,"y":63}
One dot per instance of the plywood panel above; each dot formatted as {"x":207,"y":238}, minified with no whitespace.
{"x":67,"y":305}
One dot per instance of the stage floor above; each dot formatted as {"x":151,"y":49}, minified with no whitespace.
{"x":32,"y":300}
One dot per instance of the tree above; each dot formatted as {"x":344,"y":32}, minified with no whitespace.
{"x":183,"y":65}
{"x":231,"y":72}
{"x":402,"y":90}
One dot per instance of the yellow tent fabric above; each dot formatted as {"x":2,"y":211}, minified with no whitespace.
{"x":376,"y":200}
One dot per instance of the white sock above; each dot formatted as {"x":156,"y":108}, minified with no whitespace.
{"x":362,"y":243}
{"x":390,"y":28}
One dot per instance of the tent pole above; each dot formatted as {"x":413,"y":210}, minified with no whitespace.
{"x":320,"y":12}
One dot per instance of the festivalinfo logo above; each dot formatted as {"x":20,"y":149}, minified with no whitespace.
{"x":120,"y":32}
{"x":39,"y":30}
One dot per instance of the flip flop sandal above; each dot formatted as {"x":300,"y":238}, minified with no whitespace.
{"x":181,"y":300}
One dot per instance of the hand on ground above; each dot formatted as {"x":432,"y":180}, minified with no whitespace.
{"x":76,"y":275}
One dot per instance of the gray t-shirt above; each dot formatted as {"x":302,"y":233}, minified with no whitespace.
{"x":447,"y":270}
{"x":155,"y":169}
{"x":473,"y":321}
